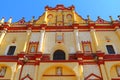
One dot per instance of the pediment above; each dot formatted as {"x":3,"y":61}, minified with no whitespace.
{"x":27,"y":77}
{"x":93,"y":76}
{"x":101,"y":21}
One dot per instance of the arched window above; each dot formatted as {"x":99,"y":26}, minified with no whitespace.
{"x":11,"y":50}
{"x":59,"y":55}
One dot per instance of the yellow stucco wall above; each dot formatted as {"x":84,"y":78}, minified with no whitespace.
{"x":50,"y":43}
{"x":18,"y":38}
{"x":49,"y":69}
{"x":102,"y":42}
{"x":11,"y":68}
{"x":110,"y":69}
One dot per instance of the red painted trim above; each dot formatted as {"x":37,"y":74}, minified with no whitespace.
{"x":56,"y":61}
{"x":21,"y":72}
{"x":59,"y":7}
{"x":92,"y":74}
{"x":27,"y":76}
{"x":44,"y":58}
{"x":115,"y":79}
{"x":5,"y":79}
{"x":58,"y":75}
{"x":100,"y":70}
{"x":48,"y":28}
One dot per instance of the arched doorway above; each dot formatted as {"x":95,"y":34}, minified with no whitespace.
{"x":59,"y":55}
{"x":59,"y":72}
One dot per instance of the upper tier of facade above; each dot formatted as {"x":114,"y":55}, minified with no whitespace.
{"x":60,"y":45}
{"x":59,"y":17}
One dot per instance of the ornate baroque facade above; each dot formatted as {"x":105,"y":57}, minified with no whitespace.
{"x":60,"y":45}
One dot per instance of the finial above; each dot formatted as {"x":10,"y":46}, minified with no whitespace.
{"x":88,"y":17}
{"x":23,"y":17}
{"x":111,"y":18}
{"x":119,"y":17}
{"x":10,"y":20}
{"x":73,"y":7}
{"x":32,"y":19}
{"x":98,"y":17}
{"x":2,"y":20}
{"x":46,"y":8}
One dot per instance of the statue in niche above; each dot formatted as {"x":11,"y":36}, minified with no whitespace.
{"x":59,"y":71}
{"x":118,"y":70}
{"x":32,"y":49}
{"x":3,"y":71}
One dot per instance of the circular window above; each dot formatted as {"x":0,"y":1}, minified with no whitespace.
{"x":49,"y":16}
{"x":69,"y":16}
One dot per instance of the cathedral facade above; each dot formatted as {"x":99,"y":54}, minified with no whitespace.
{"x":60,"y":45}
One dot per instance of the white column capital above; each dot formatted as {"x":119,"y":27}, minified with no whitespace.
{"x":42,"y":31}
{"x":92,"y":30}
{"x":117,"y":29}
{"x":28,"y":32}
{"x":75,"y":30}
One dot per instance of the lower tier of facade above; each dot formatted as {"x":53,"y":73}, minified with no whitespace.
{"x":79,"y":66}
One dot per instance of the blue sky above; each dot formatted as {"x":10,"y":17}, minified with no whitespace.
{"x":28,"y":8}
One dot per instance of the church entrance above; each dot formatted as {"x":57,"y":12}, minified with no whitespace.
{"x":58,"y":72}
{"x":59,"y":55}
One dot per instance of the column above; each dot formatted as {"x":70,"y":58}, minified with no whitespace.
{"x":118,"y":32}
{"x":81,"y":72}
{"x":40,"y":46}
{"x":94,"y":40}
{"x":17,"y":72}
{"x":36,"y":72}
{"x":103,"y":72}
{"x":77,"y":39}
{"x":28,"y":34}
{"x":2,"y":36}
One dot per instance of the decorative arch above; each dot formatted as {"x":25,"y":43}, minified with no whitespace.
{"x":61,"y":47}
{"x":115,"y":70}
{"x":60,"y":70}
{"x":59,"y":55}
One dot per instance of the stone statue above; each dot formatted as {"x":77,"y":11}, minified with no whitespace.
{"x":3,"y":71}
{"x":59,"y":71}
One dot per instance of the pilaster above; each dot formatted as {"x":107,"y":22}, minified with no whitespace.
{"x":40,"y":46}
{"x":28,"y":34}
{"x":36,"y":72}
{"x":103,"y":72}
{"x":81,"y":72}
{"x":118,"y":32}
{"x":3,"y":35}
{"x":76,"y":35}
{"x":94,"y":40}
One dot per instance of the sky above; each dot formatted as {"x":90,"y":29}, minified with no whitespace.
{"x":28,"y":8}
